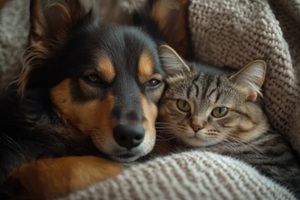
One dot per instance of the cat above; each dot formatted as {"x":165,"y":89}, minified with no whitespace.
{"x":218,"y":110}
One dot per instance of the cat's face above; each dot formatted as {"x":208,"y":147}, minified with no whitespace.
{"x":203,"y":110}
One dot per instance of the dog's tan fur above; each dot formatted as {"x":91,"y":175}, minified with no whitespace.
{"x":171,"y":17}
{"x":39,"y":179}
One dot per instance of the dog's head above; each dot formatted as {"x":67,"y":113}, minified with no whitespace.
{"x":103,"y":80}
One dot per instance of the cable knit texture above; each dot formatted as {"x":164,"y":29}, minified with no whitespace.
{"x":231,"y":32}
{"x":191,"y":175}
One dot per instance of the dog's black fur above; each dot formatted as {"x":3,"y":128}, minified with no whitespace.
{"x":32,"y":126}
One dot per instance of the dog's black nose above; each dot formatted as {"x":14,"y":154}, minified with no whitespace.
{"x":129,"y":136}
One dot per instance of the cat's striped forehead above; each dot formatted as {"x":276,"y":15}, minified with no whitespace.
{"x":205,"y":89}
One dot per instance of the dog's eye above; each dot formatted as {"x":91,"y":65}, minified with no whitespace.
{"x":93,"y":78}
{"x":153,"y":83}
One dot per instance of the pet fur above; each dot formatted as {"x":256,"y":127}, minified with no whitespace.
{"x":86,"y":88}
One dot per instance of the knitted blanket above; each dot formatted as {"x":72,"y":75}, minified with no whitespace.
{"x":231,"y":32}
{"x":186,"y":176}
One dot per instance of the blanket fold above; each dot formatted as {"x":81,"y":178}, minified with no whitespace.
{"x":190,"y":175}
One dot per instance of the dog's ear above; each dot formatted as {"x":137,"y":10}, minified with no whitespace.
{"x":51,"y":25}
{"x":171,"y":19}
{"x":51,"y":20}
{"x":172,"y":63}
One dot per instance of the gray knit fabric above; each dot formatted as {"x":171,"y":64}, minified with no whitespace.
{"x":191,"y":175}
{"x":235,"y":32}
{"x":231,"y":32}
{"x":14,"y":23}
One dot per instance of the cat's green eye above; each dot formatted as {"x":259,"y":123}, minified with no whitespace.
{"x":219,"y":112}
{"x":183,"y":105}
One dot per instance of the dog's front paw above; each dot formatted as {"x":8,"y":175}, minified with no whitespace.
{"x":8,"y":189}
{"x":50,"y":178}
{"x":16,"y":187}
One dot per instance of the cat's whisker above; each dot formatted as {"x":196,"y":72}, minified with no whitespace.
{"x":162,"y":123}
{"x":169,"y":135}
{"x":228,"y":144}
{"x":165,"y":123}
{"x":165,"y":131}
{"x":232,"y":142}
{"x":181,"y":128}
{"x":166,"y":127}
{"x":165,"y":139}
{"x":163,"y":128}
{"x":253,"y":147}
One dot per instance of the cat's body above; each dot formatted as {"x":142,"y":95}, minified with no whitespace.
{"x":220,"y":112}
{"x":270,"y":154}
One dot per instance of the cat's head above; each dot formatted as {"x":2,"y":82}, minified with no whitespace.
{"x":204,"y":109}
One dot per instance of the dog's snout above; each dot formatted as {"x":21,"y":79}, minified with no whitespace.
{"x":127,"y":114}
{"x":129,"y":136}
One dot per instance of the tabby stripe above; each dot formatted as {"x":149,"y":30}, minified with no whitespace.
{"x":218,"y":97}
{"x":189,"y":91}
{"x":196,"y":85}
{"x":218,"y":84}
{"x":204,"y":93}
{"x":212,"y":85}
{"x":243,"y":114}
{"x":211,"y":92}
{"x":197,"y":89}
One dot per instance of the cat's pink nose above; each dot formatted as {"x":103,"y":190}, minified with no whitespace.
{"x":196,"y":128}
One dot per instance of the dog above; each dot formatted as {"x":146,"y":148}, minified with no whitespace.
{"x":167,"y":22}
{"x":86,"y":95}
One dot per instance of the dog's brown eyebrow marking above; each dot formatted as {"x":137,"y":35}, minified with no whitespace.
{"x":145,"y":67}
{"x":106,"y":69}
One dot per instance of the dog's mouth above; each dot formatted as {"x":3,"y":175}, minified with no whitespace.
{"x":125,"y":157}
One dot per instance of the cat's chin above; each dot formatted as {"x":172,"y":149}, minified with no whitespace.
{"x":199,"y":142}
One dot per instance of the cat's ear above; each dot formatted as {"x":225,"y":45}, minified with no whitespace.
{"x":51,"y":20}
{"x":251,"y":78}
{"x":172,"y":63}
